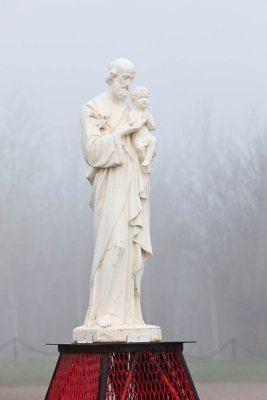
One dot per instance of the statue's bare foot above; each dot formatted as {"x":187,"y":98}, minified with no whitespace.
{"x":141,"y":154}
{"x":145,"y":163}
{"x":105,"y":321}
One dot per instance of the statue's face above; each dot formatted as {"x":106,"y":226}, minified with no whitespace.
{"x":141,"y":101}
{"x":121,"y":83}
{"x":125,"y":78}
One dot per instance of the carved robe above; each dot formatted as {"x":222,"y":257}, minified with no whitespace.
{"x":121,"y":217}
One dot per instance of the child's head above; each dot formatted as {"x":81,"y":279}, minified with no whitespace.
{"x":140,"y":97}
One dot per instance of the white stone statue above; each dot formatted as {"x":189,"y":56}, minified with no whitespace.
{"x":120,"y":202}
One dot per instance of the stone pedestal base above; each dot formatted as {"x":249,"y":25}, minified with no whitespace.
{"x":122,"y":334}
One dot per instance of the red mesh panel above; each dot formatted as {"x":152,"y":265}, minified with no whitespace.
{"x":77,"y":377}
{"x":130,"y":376}
{"x":146,"y":375}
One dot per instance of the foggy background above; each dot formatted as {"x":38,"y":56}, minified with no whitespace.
{"x":205,"y":63}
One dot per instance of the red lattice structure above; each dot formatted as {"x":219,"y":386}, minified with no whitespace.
{"x":139,"y":371}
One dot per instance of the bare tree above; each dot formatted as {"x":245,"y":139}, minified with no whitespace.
{"x":214,"y":208}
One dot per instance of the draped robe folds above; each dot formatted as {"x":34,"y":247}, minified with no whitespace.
{"x":120,"y":203}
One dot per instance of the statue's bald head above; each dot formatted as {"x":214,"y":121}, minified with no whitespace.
{"x":120,"y":76}
{"x":118,"y":66}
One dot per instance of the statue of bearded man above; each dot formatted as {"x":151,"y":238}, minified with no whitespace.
{"x":120,"y":204}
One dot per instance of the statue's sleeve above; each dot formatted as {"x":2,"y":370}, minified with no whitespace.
{"x":100,"y":151}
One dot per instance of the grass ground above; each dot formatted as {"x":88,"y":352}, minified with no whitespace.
{"x":228,"y":371}
{"x":26,"y":372}
{"x":39,"y":372}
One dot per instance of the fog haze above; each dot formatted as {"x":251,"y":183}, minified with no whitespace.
{"x":205,"y":64}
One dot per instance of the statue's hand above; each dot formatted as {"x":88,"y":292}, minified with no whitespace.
{"x":146,"y":116}
{"x":129,"y":128}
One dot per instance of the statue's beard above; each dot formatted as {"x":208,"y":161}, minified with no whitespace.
{"x":119,"y":90}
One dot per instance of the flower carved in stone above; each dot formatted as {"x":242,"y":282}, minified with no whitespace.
{"x":102,"y":119}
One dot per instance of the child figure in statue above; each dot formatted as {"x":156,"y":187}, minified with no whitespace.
{"x":144,"y":142}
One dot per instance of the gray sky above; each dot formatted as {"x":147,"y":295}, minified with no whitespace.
{"x":192,"y":54}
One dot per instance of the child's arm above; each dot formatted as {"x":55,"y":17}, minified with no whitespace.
{"x":150,"y":122}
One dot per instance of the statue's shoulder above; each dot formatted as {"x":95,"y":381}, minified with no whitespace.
{"x":100,"y":106}
{"x":97,"y":103}
{"x":93,"y":108}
